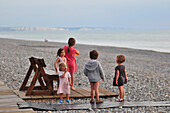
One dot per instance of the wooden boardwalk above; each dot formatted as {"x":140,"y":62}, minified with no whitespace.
{"x":79,"y":92}
{"x":87,"y":106}
{"x":9,"y":100}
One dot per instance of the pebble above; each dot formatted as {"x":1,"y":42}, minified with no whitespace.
{"x":148,"y":72}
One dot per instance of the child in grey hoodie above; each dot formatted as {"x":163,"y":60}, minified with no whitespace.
{"x":94,"y":71}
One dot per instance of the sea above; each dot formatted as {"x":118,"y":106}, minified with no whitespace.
{"x":156,"y":40}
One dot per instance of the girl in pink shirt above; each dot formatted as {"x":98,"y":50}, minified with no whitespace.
{"x":70,"y":53}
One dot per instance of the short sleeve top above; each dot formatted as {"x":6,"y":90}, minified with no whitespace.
{"x":61,"y":73}
{"x":121,"y":70}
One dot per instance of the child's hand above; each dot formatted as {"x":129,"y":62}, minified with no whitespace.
{"x":116,"y":82}
{"x":65,"y":70}
{"x":62,"y":76}
{"x":56,"y":70}
{"x":126,"y":79}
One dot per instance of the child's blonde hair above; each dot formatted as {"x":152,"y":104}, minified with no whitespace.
{"x":62,"y":64}
{"x":120,"y":58}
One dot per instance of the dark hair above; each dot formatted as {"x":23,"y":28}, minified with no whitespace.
{"x":71,"y":42}
{"x":59,"y":51}
{"x":94,"y":54}
{"x":120,"y":58}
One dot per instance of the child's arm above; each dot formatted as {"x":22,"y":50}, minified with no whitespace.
{"x":125,"y":75}
{"x":101,"y":72}
{"x":67,"y":64}
{"x":69,"y":79}
{"x":55,"y":64}
{"x":85,"y":72}
{"x":77,"y":52}
{"x":117,"y":76}
{"x":63,"y":75}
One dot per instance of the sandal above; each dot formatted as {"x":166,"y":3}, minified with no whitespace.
{"x":99,"y":101}
{"x":92,"y":101}
{"x":121,"y":100}
{"x":68,"y":101}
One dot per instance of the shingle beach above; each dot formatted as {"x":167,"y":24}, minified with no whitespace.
{"x":148,"y":71}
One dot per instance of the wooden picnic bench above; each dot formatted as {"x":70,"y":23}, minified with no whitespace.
{"x":45,"y":79}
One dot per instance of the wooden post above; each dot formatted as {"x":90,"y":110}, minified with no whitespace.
{"x":26,"y":79}
{"x":37,"y":74}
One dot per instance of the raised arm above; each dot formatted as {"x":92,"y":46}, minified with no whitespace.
{"x":77,"y":52}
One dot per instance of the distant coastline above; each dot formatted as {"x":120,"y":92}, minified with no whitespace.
{"x":156,"y":40}
{"x":25,"y":28}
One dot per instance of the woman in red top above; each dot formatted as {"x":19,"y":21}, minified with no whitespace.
{"x":70,"y":53}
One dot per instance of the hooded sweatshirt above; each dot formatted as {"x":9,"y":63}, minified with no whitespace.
{"x":94,"y":71}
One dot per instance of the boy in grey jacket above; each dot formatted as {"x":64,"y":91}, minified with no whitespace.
{"x":94,"y":71}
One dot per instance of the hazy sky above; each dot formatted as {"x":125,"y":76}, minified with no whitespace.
{"x":144,"y":14}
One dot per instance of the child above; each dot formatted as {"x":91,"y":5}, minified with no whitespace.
{"x":120,"y":76}
{"x":70,"y":55}
{"x":94,"y":72}
{"x":64,"y":85}
{"x":61,"y":58}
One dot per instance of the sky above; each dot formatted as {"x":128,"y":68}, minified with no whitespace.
{"x":132,"y":14}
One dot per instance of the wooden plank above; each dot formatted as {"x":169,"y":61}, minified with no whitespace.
{"x":7,"y":107}
{"x":43,"y":92}
{"x":49,"y":97}
{"x":14,"y":100}
{"x":88,"y":89}
{"x":79,"y":92}
{"x":9,"y":100}
{"x":4,"y":87}
{"x":8,"y":104}
{"x":41,"y":83}
{"x":107,"y":93}
{"x":21,"y":94}
{"x":35,"y":88}
{"x":56,"y":96}
{"x":82,"y":92}
{"x":36,"y":97}
{"x":6,"y":92}
{"x":1,"y":83}
{"x":86,"y":106}
{"x":17,"y":111}
{"x":74,"y":94}
{"x":35,"y":78}
{"x":8,"y":96}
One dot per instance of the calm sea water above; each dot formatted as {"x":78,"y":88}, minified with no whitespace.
{"x":147,"y":40}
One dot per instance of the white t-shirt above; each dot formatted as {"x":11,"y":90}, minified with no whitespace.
{"x":61,"y":73}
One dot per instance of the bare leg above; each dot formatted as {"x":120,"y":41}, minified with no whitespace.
{"x":92,"y":90}
{"x":67,"y":96}
{"x":121,"y":91}
{"x":61,"y":96}
{"x":96,"y":86}
{"x":72,"y":80}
